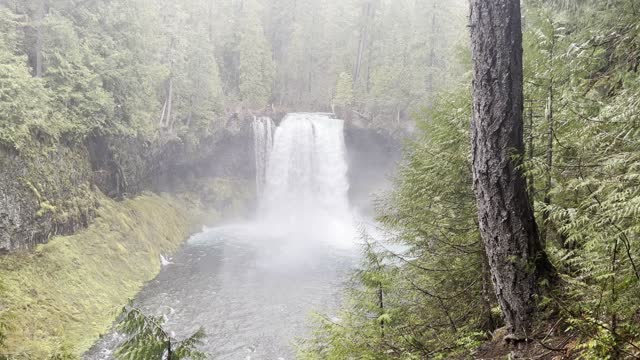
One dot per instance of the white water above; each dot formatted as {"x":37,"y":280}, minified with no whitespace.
{"x":305,"y":191}
{"x":263,"y":142}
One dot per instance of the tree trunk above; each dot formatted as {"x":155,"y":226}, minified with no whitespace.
{"x":369,"y":62}
{"x":489,"y":323}
{"x":164,"y":111}
{"x":516,"y":258}
{"x":169,"y":102}
{"x":432,"y":50}
{"x":39,"y":17}
{"x":356,"y":67}
{"x":368,"y":14}
{"x":549,"y":152}
{"x":549,"y":165}
{"x":381,"y":305}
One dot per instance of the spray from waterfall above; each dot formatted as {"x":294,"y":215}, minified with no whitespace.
{"x":305,"y":186}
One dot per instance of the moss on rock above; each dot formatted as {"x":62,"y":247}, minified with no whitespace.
{"x":43,"y":194}
{"x":61,"y":297}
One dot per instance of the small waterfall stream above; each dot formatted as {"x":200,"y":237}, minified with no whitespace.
{"x":263,"y":142}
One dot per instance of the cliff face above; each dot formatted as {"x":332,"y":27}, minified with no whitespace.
{"x":51,"y":189}
{"x":105,"y":203}
{"x":373,"y":156}
{"x":42,"y":194}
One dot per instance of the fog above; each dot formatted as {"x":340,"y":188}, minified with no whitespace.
{"x":299,"y":179}
{"x":272,"y":125}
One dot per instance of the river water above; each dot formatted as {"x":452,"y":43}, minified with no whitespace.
{"x":252,"y":294}
{"x":253,"y":286}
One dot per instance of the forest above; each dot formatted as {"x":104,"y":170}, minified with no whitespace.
{"x":166,"y":68}
{"x":510,"y":229}
{"x":580,"y":157}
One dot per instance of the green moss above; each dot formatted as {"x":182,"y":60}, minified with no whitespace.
{"x":62,"y":296}
{"x":35,"y":190}
{"x":45,"y":207}
{"x":58,"y":181}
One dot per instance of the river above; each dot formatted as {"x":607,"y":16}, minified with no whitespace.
{"x":253,"y":295}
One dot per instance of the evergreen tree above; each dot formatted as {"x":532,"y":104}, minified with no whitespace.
{"x":255,"y":69}
{"x":147,"y":339}
{"x":515,"y":253}
{"x":588,"y":201}
{"x":24,"y":104}
{"x":344,"y":90}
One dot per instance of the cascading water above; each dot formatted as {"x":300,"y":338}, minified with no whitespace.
{"x":263,"y":142}
{"x":251,"y":286}
{"x":306,"y":185}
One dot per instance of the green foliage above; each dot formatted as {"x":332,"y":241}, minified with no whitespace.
{"x":586,"y":56}
{"x":59,"y":299}
{"x":147,"y":339}
{"x":344,"y":90}
{"x":256,"y":68}
{"x":77,"y":89}
{"x":166,"y":69}
{"x":106,"y":69}
{"x":360,"y":329}
{"x":434,"y":290}
{"x":23,"y":103}
{"x":411,"y":57}
{"x":23,"y":99}
{"x":582,"y":130}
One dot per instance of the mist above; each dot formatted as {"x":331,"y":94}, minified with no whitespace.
{"x":201,"y":175}
{"x":319,"y":179}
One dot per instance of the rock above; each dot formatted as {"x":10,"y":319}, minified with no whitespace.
{"x":50,"y":189}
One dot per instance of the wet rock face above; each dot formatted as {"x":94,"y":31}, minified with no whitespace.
{"x":43,"y":194}
{"x":51,"y":190}
{"x":12,"y":205}
{"x":373,"y":156}
{"x":228,"y":153}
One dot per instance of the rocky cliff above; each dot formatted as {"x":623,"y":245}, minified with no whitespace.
{"x":51,"y":188}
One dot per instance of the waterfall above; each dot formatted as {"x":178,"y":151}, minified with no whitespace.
{"x":263,"y":142}
{"x":306,"y":187}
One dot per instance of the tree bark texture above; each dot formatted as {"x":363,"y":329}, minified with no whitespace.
{"x":515,"y":254}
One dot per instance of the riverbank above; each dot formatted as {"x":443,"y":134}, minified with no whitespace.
{"x":58,"y":299}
